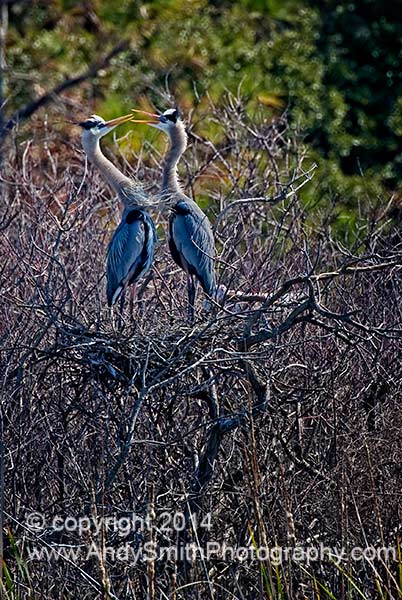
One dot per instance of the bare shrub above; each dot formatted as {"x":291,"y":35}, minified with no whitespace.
{"x":276,"y":413}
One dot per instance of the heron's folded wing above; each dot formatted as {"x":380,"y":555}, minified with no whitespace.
{"x":124,"y":256}
{"x":194,"y":240}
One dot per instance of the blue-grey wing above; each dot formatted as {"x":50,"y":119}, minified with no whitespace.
{"x":130,"y":253}
{"x":192,"y":239}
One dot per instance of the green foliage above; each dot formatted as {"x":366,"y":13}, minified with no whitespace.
{"x":335,"y":65}
{"x":7,"y":585}
{"x":360,"y":43}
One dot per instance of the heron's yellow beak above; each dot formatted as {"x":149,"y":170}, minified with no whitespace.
{"x":118,"y":121}
{"x":155,"y":118}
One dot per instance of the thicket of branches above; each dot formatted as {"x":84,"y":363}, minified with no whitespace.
{"x":277,"y":412}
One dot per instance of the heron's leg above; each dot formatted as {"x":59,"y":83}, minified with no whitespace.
{"x":192,"y":289}
{"x":113,"y":317}
{"x":122,"y":305}
{"x":195,"y":288}
{"x":190,"y":311}
{"x":133,"y":290}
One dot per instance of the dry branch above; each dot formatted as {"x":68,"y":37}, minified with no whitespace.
{"x":256,"y":412}
{"x":29,"y":109}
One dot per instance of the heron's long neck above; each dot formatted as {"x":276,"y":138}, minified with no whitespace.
{"x":113,"y":176}
{"x":178,"y":144}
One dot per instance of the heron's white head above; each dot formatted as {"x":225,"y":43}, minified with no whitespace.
{"x":168,"y":122}
{"x":95,"y":127}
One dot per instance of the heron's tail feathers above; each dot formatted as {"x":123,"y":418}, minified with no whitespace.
{"x":114,"y":295}
{"x":218,"y":294}
{"x":207,"y":281}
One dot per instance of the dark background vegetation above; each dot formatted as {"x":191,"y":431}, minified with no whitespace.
{"x":335,"y":65}
{"x":279,"y":413}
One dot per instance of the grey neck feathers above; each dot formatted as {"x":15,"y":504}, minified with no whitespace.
{"x":178,"y":144}
{"x":113,"y":176}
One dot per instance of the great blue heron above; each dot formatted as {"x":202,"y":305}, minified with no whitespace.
{"x":191,"y":240}
{"x":131,"y":249}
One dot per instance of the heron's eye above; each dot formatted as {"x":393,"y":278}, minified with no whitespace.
{"x":90,"y":124}
{"x":163,"y":119}
{"x":86,"y":124}
{"x":172,"y":117}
